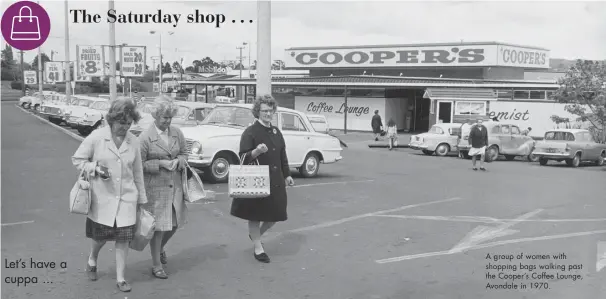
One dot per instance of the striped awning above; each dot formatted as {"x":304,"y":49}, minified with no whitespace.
{"x":467,"y":94}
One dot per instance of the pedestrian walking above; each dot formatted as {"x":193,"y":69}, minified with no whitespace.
{"x":164,"y":157}
{"x":478,"y":138}
{"x":377,"y":125}
{"x":263,"y":142}
{"x":527,"y":131}
{"x":112,"y":158}
{"x":392,"y":133}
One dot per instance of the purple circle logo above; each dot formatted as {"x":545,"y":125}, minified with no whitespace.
{"x":25,"y":25}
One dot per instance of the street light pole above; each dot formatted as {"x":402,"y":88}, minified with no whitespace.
{"x":240,"y":48}
{"x":68,"y":76}
{"x":22,"y":75}
{"x":112,"y":57}
{"x":263,"y":48}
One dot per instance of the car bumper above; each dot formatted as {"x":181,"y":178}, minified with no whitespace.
{"x":418,"y":146}
{"x":198,"y":161}
{"x":546,"y":155}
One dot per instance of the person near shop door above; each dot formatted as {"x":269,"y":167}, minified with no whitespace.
{"x":392,"y":134}
{"x":478,"y":139}
{"x":264,"y":143}
{"x":164,"y":157}
{"x":377,"y":125}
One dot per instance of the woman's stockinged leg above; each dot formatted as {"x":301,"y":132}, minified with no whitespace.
{"x":166,"y":236}
{"x":266,"y":226}
{"x":254,"y":229}
{"x":94,"y":252}
{"x":121,"y":254}
{"x":155,"y":244}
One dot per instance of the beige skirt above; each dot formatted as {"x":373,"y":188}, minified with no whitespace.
{"x":477,"y":151}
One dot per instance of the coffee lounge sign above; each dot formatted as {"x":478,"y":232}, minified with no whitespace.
{"x":419,"y":56}
{"x":323,"y":108}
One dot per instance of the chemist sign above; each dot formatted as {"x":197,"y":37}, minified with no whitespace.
{"x":133,"y":61}
{"x":89,"y":61}
{"x":53,"y":72}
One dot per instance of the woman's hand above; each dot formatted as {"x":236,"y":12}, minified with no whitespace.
{"x":169,"y":165}
{"x":181,"y":162}
{"x":289,"y":181}
{"x":90,"y":169}
{"x":262,"y":148}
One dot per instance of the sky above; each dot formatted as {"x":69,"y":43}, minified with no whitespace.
{"x":571,"y":30}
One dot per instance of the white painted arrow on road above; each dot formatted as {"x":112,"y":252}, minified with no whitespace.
{"x":601,"y":260}
{"x":483,"y":233}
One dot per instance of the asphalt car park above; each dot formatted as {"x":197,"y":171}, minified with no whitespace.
{"x":377,"y":224}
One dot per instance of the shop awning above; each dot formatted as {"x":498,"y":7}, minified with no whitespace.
{"x":470,"y":94}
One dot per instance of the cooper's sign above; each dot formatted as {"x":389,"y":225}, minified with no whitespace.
{"x":422,"y":56}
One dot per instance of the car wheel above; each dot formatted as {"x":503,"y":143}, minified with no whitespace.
{"x":84,"y":131}
{"x":575,"y":162}
{"x":543,"y":161}
{"x":25,"y":105}
{"x":218,"y":171}
{"x":55,"y":121}
{"x":311,"y":166}
{"x":442,"y":150}
{"x":532,"y":158}
{"x":600,"y":160}
{"x":510,"y":157}
{"x":36,"y":108}
{"x":28,"y":105}
{"x":492,"y":153}
{"x":429,"y":153}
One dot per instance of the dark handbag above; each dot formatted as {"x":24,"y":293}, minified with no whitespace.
{"x":383,"y":133}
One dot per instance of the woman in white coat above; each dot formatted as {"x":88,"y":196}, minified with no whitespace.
{"x":111,"y":156}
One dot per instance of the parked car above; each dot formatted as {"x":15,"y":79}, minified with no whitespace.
{"x":215,"y":143}
{"x":440,"y":139}
{"x":503,"y":139}
{"x":57,"y":107}
{"x":35,"y":101}
{"x":191,"y":113}
{"x":77,"y":115}
{"x":571,"y":145}
{"x":93,"y":117}
{"x":319,"y":123}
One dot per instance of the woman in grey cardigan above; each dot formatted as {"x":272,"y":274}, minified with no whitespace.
{"x":164,"y":156}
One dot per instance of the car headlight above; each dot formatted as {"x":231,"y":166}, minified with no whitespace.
{"x":196,"y":148}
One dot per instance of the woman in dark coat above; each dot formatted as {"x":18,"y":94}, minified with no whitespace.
{"x":264,"y":143}
{"x":478,"y":138}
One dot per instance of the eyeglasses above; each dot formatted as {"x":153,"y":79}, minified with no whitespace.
{"x":267,"y":111}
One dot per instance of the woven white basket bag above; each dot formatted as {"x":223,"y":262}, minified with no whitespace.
{"x":248,"y":181}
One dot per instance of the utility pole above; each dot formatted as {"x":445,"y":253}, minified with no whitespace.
{"x":263,"y":48}
{"x":68,"y":76}
{"x":22,"y":74}
{"x":40,"y":75}
{"x":112,"y":57}
{"x":240,"y":48}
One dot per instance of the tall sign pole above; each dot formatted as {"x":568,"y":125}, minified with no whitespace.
{"x":68,"y":76}
{"x":22,"y":75}
{"x":40,"y":76}
{"x":264,"y":47}
{"x":112,"y":57}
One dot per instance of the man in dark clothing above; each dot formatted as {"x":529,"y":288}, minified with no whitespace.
{"x":376,"y":124}
{"x":478,"y":138}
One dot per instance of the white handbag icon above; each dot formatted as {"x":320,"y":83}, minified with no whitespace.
{"x":25,"y":27}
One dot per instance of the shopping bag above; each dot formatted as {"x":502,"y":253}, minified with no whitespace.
{"x":25,"y":27}
{"x":248,"y":181}
{"x":81,"y":195}
{"x":193,"y":189}
{"x":144,"y":230}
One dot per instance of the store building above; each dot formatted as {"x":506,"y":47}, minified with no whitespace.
{"x":416,"y":85}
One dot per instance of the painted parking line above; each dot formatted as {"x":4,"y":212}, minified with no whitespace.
{"x":489,"y":220}
{"x":307,"y":185}
{"x":488,"y":245}
{"x":17,"y":223}
{"x":64,"y":130}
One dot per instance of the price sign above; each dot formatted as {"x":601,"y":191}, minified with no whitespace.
{"x":164,"y":87}
{"x":53,"y":72}
{"x":83,"y":79}
{"x":156,"y":87}
{"x":90,"y":61}
{"x":133,"y":61}
{"x":30,"y":77}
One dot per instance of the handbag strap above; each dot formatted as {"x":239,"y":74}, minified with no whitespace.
{"x":83,"y":174}
{"x":243,"y":157}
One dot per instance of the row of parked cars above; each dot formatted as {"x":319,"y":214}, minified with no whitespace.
{"x":212,"y":131}
{"x":574,"y":146}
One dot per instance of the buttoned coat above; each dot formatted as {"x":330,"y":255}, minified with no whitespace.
{"x":164,"y":188}
{"x":478,"y":136}
{"x":114,"y":201}
{"x":273,"y":207}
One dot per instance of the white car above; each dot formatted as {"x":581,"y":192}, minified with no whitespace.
{"x":215,"y":143}
{"x":78,"y":113}
{"x":56,"y":109}
{"x":93,"y":117}
{"x":34,"y":101}
{"x":319,"y":122}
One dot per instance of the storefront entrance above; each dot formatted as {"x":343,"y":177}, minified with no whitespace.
{"x":445,"y":111}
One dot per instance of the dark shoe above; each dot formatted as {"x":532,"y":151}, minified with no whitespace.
{"x":159,"y":273}
{"x":482,"y":169}
{"x":163,"y":258}
{"x":91,"y":272}
{"x":475,"y":168}
{"x":262,"y":257}
{"x":124,"y":286}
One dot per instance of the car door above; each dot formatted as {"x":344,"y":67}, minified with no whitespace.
{"x":503,"y":135}
{"x":296,"y":136}
{"x":517,"y":141}
{"x":589,"y":147}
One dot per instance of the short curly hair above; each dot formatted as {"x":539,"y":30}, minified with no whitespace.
{"x":264,"y":99}
{"x":161,"y":108}
{"x":122,"y":109}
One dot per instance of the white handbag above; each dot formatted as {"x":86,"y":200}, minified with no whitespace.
{"x":80,"y":197}
{"x":248,"y":181}
{"x":193,"y":189}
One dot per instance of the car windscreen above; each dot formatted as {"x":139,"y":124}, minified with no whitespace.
{"x":234,"y":116}
{"x":559,"y":136}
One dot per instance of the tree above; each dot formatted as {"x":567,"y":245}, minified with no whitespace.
{"x":167,"y":68}
{"x":583,"y":90}
{"x":8,"y":60}
{"x":44,"y":60}
{"x":177,"y":67}
{"x":277,"y":65}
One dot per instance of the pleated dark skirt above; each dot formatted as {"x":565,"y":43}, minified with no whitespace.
{"x":100,"y":232}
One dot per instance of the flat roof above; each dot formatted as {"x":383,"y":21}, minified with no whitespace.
{"x":418,"y":45}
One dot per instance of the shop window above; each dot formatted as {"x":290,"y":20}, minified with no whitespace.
{"x":292,"y":122}
{"x":537,"y":94}
{"x":521,"y":94}
{"x":549,"y":95}
{"x":470,"y":108}
{"x":505,"y":94}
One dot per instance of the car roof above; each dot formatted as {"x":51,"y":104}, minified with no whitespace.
{"x":573,"y":131}
{"x":448,"y":125}
{"x":316,"y":115}
{"x":195,"y":104}
{"x":250,"y":106}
